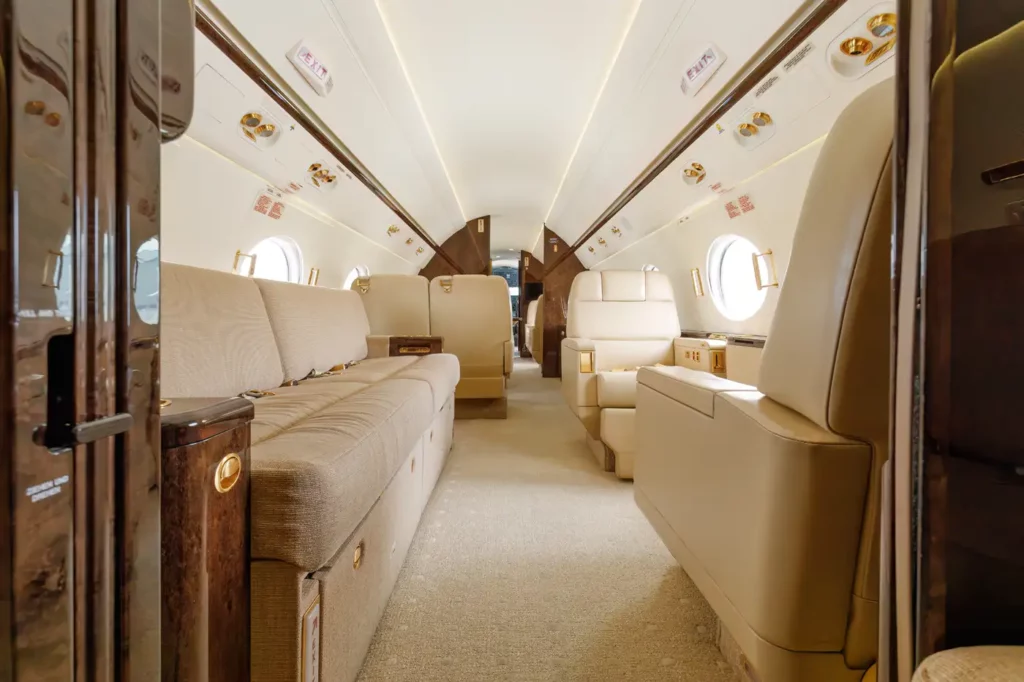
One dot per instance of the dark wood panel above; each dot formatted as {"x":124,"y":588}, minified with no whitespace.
{"x":469,"y":248}
{"x":205,"y":619}
{"x":556,"y":296}
{"x":415,"y":345}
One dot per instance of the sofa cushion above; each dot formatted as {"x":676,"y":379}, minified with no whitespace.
{"x":215,"y":336}
{"x":616,"y":389}
{"x":370,"y":371}
{"x":316,"y":328}
{"x":440,"y":371}
{"x":289,"y":405}
{"x":314,"y":482}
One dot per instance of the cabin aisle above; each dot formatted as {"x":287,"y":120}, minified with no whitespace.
{"x":531,"y":564}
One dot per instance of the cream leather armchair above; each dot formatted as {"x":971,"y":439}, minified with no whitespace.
{"x":396,"y":305}
{"x":530,"y":325}
{"x":473,"y":313}
{"x":618,"y":321}
{"x":769,"y":498}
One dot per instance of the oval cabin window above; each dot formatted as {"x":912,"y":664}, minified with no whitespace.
{"x":354,"y":274}
{"x":278,"y":258}
{"x":731,"y":276}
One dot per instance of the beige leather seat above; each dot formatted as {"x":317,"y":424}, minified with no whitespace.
{"x":770,"y":498}
{"x":529,"y":325}
{"x":474,"y":315}
{"x":974,"y":664}
{"x":618,"y":321}
{"x":396,"y":305}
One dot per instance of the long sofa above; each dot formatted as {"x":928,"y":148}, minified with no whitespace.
{"x":346,"y":450}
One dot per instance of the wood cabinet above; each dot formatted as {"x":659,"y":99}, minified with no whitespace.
{"x":415,"y":345}
{"x":205,"y":540}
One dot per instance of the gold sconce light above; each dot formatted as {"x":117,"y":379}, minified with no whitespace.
{"x":419,"y":250}
{"x":408,"y":242}
{"x":392,"y":229}
{"x":698,"y":283}
{"x":314,"y":277}
{"x":239,"y":256}
{"x":694,"y":174}
{"x":616,"y":231}
{"x":769,"y":267}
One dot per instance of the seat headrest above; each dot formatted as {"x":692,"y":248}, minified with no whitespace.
{"x":621,"y":285}
{"x":622,"y":305}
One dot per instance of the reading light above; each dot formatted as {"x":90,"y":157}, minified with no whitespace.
{"x":880,"y":52}
{"x":855,"y":47}
{"x":761,"y":119}
{"x":266,"y":130}
{"x":882,"y":25}
{"x":392,"y":229}
{"x":251,"y":120}
{"x":748,"y":129}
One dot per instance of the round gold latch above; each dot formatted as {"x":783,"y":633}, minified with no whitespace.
{"x":357,"y":556}
{"x":229,"y":470}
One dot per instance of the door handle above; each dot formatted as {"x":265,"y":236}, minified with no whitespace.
{"x":104,"y":427}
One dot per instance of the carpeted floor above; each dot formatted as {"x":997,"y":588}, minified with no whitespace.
{"x":531,"y":564}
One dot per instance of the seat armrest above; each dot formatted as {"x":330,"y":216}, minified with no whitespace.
{"x":378,"y":345}
{"x":508,"y":358}
{"x":691,"y":387}
{"x":579,"y":373}
{"x":577,"y":344}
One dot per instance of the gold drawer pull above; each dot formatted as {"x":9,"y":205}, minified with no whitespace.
{"x":357,"y":557}
{"x":228,"y":472}
{"x":414,"y":350}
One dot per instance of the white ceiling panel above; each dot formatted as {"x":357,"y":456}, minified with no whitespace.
{"x":507,"y":89}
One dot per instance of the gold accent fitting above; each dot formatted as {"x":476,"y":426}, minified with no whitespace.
{"x":446,"y":284}
{"x":718,"y":362}
{"x":748,"y":129}
{"x":526,"y":262}
{"x":251,"y":120}
{"x":392,"y":229}
{"x":617,"y":231}
{"x":479,"y":224}
{"x":412,"y":465}
{"x":769,"y":261}
{"x":252,"y":263}
{"x":419,"y":250}
{"x":590,"y":249}
{"x":761,"y":119}
{"x":408,"y":242}
{"x":266,"y":130}
{"x":248,"y":134}
{"x":880,"y":52}
{"x":228,"y":472}
{"x":855,"y":47}
{"x":414,"y":350}
{"x":601,"y":241}
{"x":357,"y":556}
{"x":314,"y":277}
{"x":586,"y":362}
{"x":882,"y":25}
{"x":363,"y":284}
{"x":165,"y":402}
{"x":35,"y":107}
{"x":698,"y":283}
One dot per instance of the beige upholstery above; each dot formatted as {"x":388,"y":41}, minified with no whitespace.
{"x":698,"y":354}
{"x":974,"y":664}
{"x":339,"y":459}
{"x":474,"y":315}
{"x":316,"y":328}
{"x":396,"y":305}
{"x":769,"y":498}
{"x":199,"y":306}
{"x":618,"y":320}
{"x":530,"y":324}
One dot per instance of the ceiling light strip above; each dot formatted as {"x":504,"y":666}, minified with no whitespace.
{"x":793,"y":34}
{"x":216,"y":27}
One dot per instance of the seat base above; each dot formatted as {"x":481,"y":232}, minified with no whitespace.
{"x":481,"y":408}
{"x":602,"y":453}
{"x":757,"y":659}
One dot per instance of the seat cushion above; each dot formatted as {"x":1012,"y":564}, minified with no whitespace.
{"x":688,"y":386}
{"x":314,"y":482}
{"x":371,"y":371}
{"x":440,"y":371}
{"x":289,"y":405}
{"x":616,"y":389}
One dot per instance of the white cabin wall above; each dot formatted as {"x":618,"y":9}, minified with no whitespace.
{"x":777,"y":194}
{"x":207,"y":216}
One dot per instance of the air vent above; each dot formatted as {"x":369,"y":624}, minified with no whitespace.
{"x":865,"y":43}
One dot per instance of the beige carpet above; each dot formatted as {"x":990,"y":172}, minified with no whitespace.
{"x":531,"y":564}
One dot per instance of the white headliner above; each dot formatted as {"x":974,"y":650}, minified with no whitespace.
{"x":507,"y":90}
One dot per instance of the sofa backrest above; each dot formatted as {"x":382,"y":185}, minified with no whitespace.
{"x":316,"y":328}
{"x":215,"y":335}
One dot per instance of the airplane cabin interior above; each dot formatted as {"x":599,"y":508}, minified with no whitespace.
{"x":460,"y":341}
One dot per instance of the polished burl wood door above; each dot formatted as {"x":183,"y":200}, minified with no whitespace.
{"x":83,"y":93}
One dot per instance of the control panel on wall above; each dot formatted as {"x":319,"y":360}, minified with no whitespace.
{"x":312,"y":68}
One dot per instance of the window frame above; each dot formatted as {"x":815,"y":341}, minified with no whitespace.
{"x":719,"y":289}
